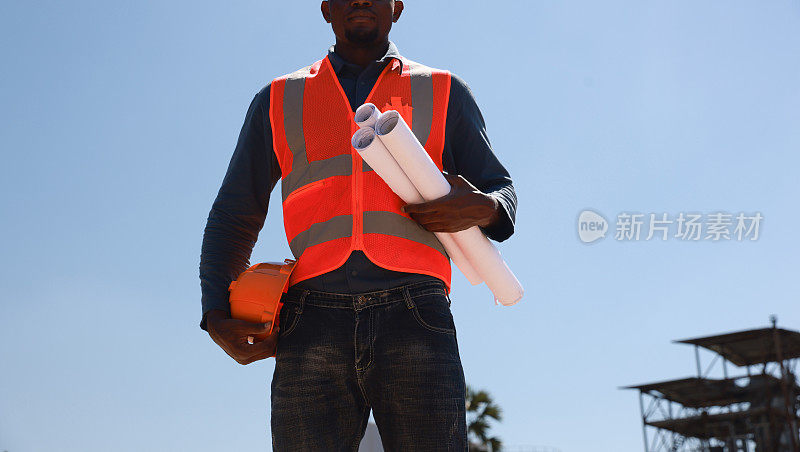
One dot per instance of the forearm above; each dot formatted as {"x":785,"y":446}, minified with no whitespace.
{"x":468,"y":153}
{"x":240,"y":208}
{"x":213,"y":315}
{"x":227,"y":245}
{"x":502,"y":227}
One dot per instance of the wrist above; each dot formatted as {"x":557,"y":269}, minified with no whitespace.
{"x":494,"y":205}
{"x":215,"y":315}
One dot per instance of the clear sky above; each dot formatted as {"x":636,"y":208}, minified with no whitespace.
{"x":119,"y":120}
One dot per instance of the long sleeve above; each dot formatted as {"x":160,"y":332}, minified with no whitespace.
{"x":468,"y":153}
{"x":240,"y":208}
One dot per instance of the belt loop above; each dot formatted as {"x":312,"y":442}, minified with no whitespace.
{"x":407,"y":298}
{"x":299,"y":308}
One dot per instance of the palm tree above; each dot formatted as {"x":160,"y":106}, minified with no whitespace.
{"x":481,"y":408}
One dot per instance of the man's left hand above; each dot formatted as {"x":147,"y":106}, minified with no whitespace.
{"x":465,"y":206}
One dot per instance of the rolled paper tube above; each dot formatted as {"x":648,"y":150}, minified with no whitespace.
{"x":367,"y":115}
{"x":378,"y":158}
{"x":415,"y":162}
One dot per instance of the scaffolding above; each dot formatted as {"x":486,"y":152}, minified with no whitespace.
{"x":754,"y":412}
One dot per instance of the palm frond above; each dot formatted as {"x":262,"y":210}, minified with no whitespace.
{"x":482,"y":408}
{"x":493,"y":411}
{"x":497,"y":445}
{"x":481,"y":397}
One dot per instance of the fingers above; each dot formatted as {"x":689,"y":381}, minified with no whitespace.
{"x":449,"y":203}
{"x":440,"y":222}
{"x":244,"y":328}
{"x":258,"y":357}
{"x":259,"y":350}
{"x":441,"y":227}
{"x":267,"y":344}
{"x":429,"y":206}
{"x":445,"y":227}
{"x":240,"y":339}
{"x":245,"y":340}
{"x":427,"y":218}
{"x":423,"y":207}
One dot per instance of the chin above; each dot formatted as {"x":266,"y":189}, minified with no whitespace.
{"x":362,"y":36}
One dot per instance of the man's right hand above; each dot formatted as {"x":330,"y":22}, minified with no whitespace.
{"x":231,"y":335}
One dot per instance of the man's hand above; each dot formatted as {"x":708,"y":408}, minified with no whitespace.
{"x":465,"y":206}
{"x":232,"y":336}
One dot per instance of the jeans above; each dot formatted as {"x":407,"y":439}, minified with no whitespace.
{"x":393,"y":351}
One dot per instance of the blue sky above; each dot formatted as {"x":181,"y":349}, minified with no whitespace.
{"x":119,"y":119}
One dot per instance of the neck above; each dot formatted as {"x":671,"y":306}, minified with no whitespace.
{"x":364,"y":54}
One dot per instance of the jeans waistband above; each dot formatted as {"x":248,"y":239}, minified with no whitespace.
{"x":365,"y":299}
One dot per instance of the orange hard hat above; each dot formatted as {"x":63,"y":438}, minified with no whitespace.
{"x":256,"y":293}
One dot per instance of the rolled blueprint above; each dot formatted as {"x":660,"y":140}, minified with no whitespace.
{"x":366,"y":116}
{"x":381,"y":161}
{"x":415,"y":162}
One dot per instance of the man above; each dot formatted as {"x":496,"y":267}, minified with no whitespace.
{"x":366,"y":324}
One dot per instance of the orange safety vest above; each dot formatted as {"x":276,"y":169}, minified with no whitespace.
{"x":333,"y":202}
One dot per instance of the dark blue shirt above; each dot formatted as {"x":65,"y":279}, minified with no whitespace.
{"x":240,"y":209}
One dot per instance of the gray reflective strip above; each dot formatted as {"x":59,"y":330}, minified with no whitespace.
{"x":365,"y":167}
{"x":422,"y":100}
{"x":303,"y":172}
{"x":339,"y":165}
{"x":293,"y":116}
{"x":389,"y":223}
{"x":335,"y":228}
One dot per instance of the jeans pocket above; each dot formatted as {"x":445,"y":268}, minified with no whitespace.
{"x":288,"y":318}
{"x":432,"y":312}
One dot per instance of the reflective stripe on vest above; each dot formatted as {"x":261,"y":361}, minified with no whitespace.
{"x":335,"y":228}
{"x":375,"y":222}
{"x":390,"y":223}
{"x":422,"y":95}
{"x":304,"y":172}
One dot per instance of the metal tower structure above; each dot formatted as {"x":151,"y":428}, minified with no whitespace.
{"x":753,"y":412}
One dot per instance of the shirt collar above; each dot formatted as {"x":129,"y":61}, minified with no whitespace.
{"x":392,"y":55}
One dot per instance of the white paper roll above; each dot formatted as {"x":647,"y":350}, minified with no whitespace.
{"x":381,"y":161}
{"x":415,"y":162}
{"x":367,"y":115}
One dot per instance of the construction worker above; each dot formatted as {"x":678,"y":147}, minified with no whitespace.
{"x":366,"y":323}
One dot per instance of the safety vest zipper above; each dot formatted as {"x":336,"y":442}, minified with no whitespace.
{"x":358,"y":208}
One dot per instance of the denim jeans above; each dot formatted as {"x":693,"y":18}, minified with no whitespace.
{"x":393,"y":351}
